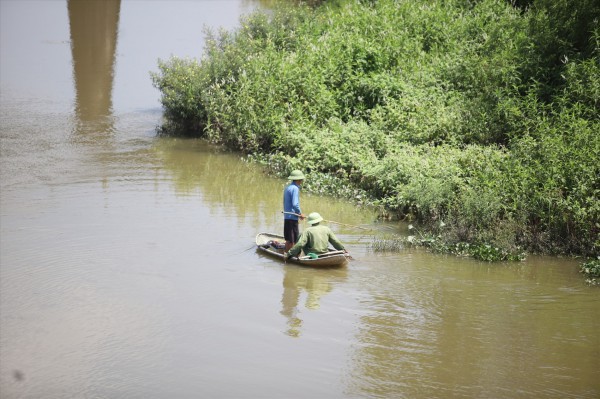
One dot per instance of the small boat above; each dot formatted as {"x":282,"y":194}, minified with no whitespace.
{"x":273,"y":245}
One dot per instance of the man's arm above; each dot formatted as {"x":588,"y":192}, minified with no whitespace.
{"x":335,"y":242}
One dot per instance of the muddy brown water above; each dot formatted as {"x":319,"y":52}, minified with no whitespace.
{"x":127,"y":260}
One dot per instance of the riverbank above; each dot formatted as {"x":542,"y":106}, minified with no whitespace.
{"x":476,"y":122}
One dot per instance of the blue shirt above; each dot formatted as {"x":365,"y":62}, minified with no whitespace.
{"x":291,"y":201}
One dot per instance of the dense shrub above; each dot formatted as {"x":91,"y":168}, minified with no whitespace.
{"x":453,"y":113}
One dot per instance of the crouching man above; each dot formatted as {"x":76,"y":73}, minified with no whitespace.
{"x":315,"y":239}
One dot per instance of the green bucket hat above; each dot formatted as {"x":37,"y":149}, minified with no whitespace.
{"x":296,"y":175}
{"x":314,"y":218}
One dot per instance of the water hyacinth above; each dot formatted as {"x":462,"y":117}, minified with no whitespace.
{"x":591,"y":270}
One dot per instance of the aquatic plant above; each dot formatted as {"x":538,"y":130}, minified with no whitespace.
{"x":437,"y":243}
{"x":591,"y":269}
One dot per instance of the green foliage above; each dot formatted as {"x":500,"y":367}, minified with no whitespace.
{"x":489,"y":253}
{"x":560,"y":30}
{"x":181,"y":82}
{"x":591,"y":269}
{"x":481,"y":115}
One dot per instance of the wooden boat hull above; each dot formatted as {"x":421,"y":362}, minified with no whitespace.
{"x":329,"y":259}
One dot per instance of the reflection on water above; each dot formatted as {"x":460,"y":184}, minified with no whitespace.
{"x":94,"y":30}
{"x":314,"y":283}
{"x":198,"y":168}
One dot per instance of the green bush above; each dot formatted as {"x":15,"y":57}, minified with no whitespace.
{"x":445,"y":112}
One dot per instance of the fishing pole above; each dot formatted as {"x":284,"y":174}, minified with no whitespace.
{"x":329,"y":221}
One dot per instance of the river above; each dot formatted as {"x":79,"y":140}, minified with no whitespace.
{"x":127,"y":264}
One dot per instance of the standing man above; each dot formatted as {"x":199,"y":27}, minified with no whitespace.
{"x":291,"y":209}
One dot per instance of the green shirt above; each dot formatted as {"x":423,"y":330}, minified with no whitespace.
{"x":316,"y":239}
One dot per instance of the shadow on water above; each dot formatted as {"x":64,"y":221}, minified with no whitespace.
{"x":94,"y":32}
